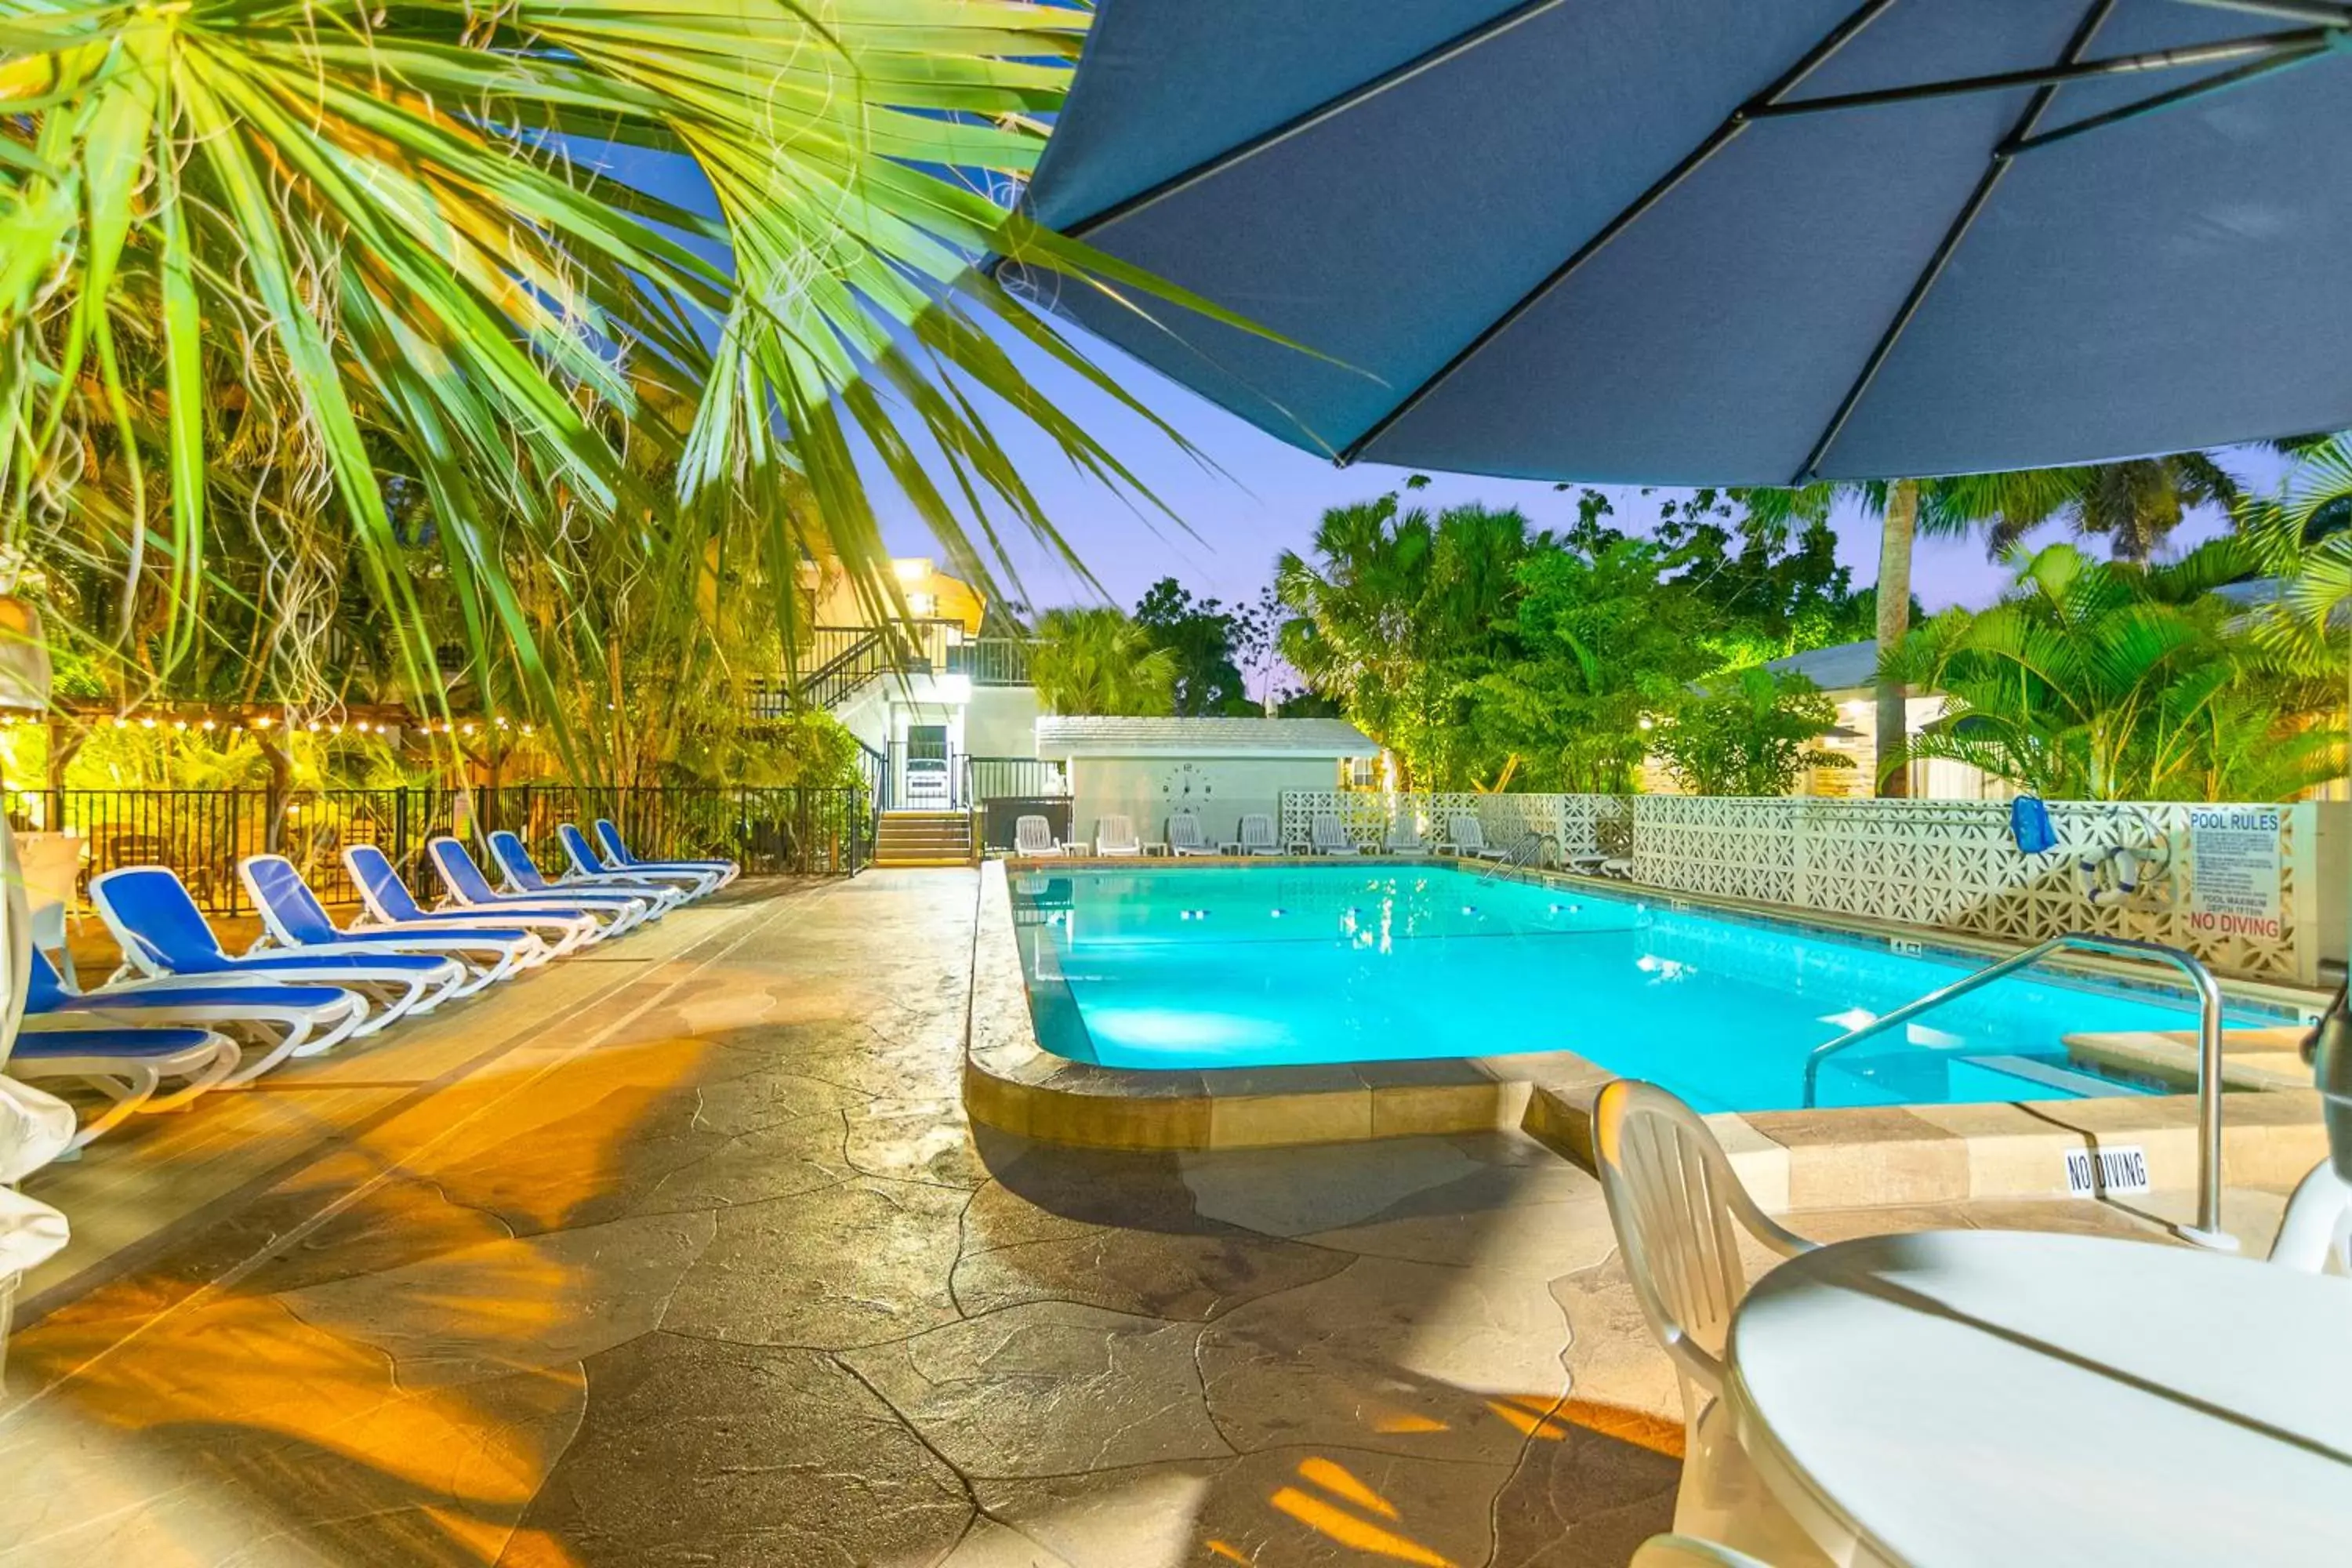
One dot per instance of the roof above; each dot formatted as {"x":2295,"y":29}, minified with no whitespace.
{"x":1126,"y":737}
{"x":1841,"y":667}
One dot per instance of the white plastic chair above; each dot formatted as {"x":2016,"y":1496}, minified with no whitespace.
{"x":2318,"y":1225}
{"x":1115,"y":836}
{"x":1404,"y":839}
{"x":1184,"y":836}
{"x":1330,"y":837}
{"x":1468,"y":838}
{"x":1032,"y":837}
{"x":1677,"y":1205}
{"x":1255,"y":834}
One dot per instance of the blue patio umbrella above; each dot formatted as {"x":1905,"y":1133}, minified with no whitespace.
{"x":1733,"y":241}
{"x":1725,"y":241}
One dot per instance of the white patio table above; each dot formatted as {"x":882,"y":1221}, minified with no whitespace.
{"x":2002,"y":1397}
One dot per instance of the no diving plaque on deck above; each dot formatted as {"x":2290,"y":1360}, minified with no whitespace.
{"x":2234,"y":886}
{"x":2095,"y":1173}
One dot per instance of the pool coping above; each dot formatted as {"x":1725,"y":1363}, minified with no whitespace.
{"x":1834,"y":1158}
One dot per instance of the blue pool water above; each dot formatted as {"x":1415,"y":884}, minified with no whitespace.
{"x":1212,"y":968}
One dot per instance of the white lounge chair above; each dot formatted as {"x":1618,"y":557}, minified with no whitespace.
{"x":1404,"y":840}
{"x":1255,"y":834}
{"x":2317,"y":1225}
{"x":293,"y":918}
{"x":1184,"y":836}
{"x":1327,"y":835}
{"x":390,"y":905}
{"x":1034,"y":837}
{"x":1469,"y":839}
{"x":163,"y":935}
{"x":1115,"y":837}
{"x":691,"y":879}
{"x":128,"y":1066}
{"x":1674,"y":1201}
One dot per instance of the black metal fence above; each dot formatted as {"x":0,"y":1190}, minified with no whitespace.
{"x":204,"y":834}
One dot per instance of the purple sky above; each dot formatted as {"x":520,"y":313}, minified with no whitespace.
{"x":1269,"y":496}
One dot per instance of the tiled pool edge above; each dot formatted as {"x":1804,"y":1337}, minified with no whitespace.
{"x":1790,"y":1159}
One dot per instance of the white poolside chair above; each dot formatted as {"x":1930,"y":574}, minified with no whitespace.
{"x":1034,"y":835}
{"x":1184,"y":836}
{"x":1468,"y":838}
{"x":2318,"y":1225}
{"x":1403,"y":840}
{"x":1676,"y":1205}
{"x":1326,"y":835}
{"x":1115,"y":838}
{"x":1255,"y":834}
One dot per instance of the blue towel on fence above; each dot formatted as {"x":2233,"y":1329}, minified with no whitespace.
{"x":2029,"y":823}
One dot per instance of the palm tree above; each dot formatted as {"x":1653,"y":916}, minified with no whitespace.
{"x":1098,"y":659}
{"x":2122,"y":681}
{"x":263,"y":254}
{"x":1397,"y":614}
{"x":2133,"y":503}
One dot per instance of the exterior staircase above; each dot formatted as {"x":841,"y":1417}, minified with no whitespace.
{"x":923,"y":838}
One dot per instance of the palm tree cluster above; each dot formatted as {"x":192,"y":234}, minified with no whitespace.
{"x":2120,"y":680}
{"x":308,"y":301}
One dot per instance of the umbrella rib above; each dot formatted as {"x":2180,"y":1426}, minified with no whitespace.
{"x":1307,"y":120}
{"x":2263,"y":46}
{"x":1716,"y":140}
{"x":2092,"y":19}
{"x":2222,"y":82}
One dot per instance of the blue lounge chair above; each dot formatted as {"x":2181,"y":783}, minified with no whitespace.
{"x":617,"y":856}
{"x":690,"y":883}
{"x":278,"y":1021}
{"x":126,"y":1064}
{"x":390,"y":903}
{"x":523,"y":878}
{"x":292,"y":915}
{"x":162,"y":933}
{"x":470,"y":889}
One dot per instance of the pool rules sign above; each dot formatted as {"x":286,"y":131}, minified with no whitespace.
{"x":2235,"y":889}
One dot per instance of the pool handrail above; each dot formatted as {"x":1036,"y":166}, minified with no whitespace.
{"x":2207,"y":1232}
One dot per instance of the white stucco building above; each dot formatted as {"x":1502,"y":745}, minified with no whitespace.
{"x":1218,"y":769}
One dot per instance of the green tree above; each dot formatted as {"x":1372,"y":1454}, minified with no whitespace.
{"x":262,"y":258}
{"x":2121,"y":681}
{"x":1905,"y":509}
{"x":1201,"y":638}
{"x":1749,"y":732}
{"x":1606,"y":641}
{"x":1396,"y":617}
{"x":1097,"y":660}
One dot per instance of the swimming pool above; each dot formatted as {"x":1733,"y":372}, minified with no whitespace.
{"x":1166,"y":968}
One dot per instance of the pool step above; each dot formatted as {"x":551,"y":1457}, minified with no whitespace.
{"x":905,"y":838}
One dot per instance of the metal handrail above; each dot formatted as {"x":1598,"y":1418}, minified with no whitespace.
{"x":2207,"y":1231}
{"x":1528,"y":850}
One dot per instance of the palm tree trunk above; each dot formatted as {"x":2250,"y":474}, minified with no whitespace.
{"x":1894,"y":622}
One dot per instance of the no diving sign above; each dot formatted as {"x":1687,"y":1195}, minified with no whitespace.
{"x":2234,"y":871}
{"x":2092,"y":1174}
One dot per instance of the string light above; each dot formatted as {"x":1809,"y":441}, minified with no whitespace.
{"x":208,"y":724}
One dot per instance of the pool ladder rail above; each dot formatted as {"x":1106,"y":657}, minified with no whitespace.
{"x":2207,"y":1232}
{"x":1527,"y":851}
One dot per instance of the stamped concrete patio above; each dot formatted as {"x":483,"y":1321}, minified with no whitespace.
{"x":689,"y":1255}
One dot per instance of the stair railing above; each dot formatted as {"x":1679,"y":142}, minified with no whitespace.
{"x":2207,"y":1231}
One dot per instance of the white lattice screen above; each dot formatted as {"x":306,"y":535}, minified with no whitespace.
{"x":1945,"y":863}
